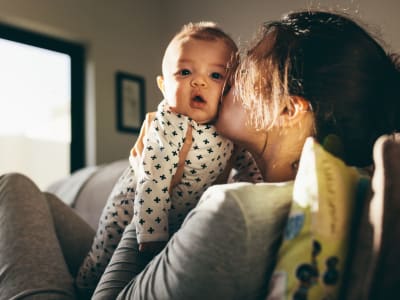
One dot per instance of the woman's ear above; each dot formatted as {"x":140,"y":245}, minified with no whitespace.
{"x":296,"y":112}
{"x":297,"y":106}
{"x":160,"y":83}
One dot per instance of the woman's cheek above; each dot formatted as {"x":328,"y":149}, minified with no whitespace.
{"x":231,"y":121}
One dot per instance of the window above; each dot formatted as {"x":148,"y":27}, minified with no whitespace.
{"x":41,"y":105}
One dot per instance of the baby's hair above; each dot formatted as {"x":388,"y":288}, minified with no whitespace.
{"x":210,"y":31}
{"x":207,"y":31}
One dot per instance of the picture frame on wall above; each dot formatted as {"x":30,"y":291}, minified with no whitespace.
{"x":130,"y":93}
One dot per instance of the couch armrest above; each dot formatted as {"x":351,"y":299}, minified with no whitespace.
{"x":92,"y":197}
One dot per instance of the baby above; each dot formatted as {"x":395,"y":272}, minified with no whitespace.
{"x":195,"y":69}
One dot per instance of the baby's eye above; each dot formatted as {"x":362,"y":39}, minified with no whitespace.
{"x":184,"y":72}
{"x":216,"y":75}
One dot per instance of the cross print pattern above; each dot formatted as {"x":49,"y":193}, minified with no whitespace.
{"x":116,"y":215}
{"x":245,"y":168}
{"x":118,"y":211}
{"x":157,"y":213}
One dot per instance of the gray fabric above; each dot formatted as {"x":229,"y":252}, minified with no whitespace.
{"x":118,"y":211}
{"x":31,"y":262}
{"x":74,"y":234}
{"x":125,"y":264}
{"x":225,"y":249}
{"x":67,"y":189}
{"x":91,"y":199}
{"x":384,"y":272}
{"x":355,"y":282}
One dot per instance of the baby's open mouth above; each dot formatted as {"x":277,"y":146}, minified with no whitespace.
{"x":199,"y":99}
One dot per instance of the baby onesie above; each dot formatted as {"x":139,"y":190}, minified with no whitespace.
{"x":118,"y":211}
{"x":157,"y":213}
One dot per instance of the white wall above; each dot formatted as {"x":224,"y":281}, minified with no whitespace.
{"x":130,"y":35}
{"x":242,"y":18}
{"x":118,"y":35}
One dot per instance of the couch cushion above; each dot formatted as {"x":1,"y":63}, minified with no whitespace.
{"x":93,"y":195}
{"x":356,"y":279}
{"x":69,"y":187}
{"x":384,"y":215}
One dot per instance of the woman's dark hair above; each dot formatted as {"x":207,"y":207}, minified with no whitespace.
{"x":353,"y":85}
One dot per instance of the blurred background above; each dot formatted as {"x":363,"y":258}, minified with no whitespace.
{"x":59,"y":59}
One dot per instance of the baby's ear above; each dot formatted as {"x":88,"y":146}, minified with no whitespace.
{"x":160,"y":83}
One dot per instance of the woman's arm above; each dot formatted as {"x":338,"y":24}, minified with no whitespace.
{"x":225,"y":249}
{"x":201,"y":261}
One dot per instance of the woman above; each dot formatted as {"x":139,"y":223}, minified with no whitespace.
{"x":309,"y":74}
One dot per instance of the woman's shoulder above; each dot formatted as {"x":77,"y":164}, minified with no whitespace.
{"x":248,"y":198}
{"x":256,"y":191}
{"x":241,"y":223}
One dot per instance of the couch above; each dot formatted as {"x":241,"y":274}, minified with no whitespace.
{"x":373,"y":269}
{"x":87,"y":190}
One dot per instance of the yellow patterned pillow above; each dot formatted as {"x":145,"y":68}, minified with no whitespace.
{"x":313,"y":254}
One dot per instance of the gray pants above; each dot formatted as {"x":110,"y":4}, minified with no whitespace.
{"x":42,"y":242}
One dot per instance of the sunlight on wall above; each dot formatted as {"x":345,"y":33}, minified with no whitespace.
{"x":35,"y":117}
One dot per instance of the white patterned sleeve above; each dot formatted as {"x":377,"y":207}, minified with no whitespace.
{"x":158,"y":164}
{"x":244,"y":168}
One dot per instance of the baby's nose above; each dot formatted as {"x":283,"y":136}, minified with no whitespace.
{"x":199,"y":81}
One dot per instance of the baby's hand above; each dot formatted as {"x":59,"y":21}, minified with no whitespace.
{"x":152,"y":247}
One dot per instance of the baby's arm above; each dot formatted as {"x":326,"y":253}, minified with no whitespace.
{"x":155,"y":247}
{"x":158,"y":164}
{"x":243,"y":167}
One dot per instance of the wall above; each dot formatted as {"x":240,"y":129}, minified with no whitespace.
{"x":242,"y":18}
{"x":119,"y":35}
{"x":131,"y":35}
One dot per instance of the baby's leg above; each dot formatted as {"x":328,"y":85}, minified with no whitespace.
{"x":116,"y":215}
{"x":32,"y":264}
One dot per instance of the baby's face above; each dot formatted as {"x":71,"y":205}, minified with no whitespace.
{"x":194,"y":74}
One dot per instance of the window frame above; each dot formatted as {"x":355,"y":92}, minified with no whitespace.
{"x":77,"y":54}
